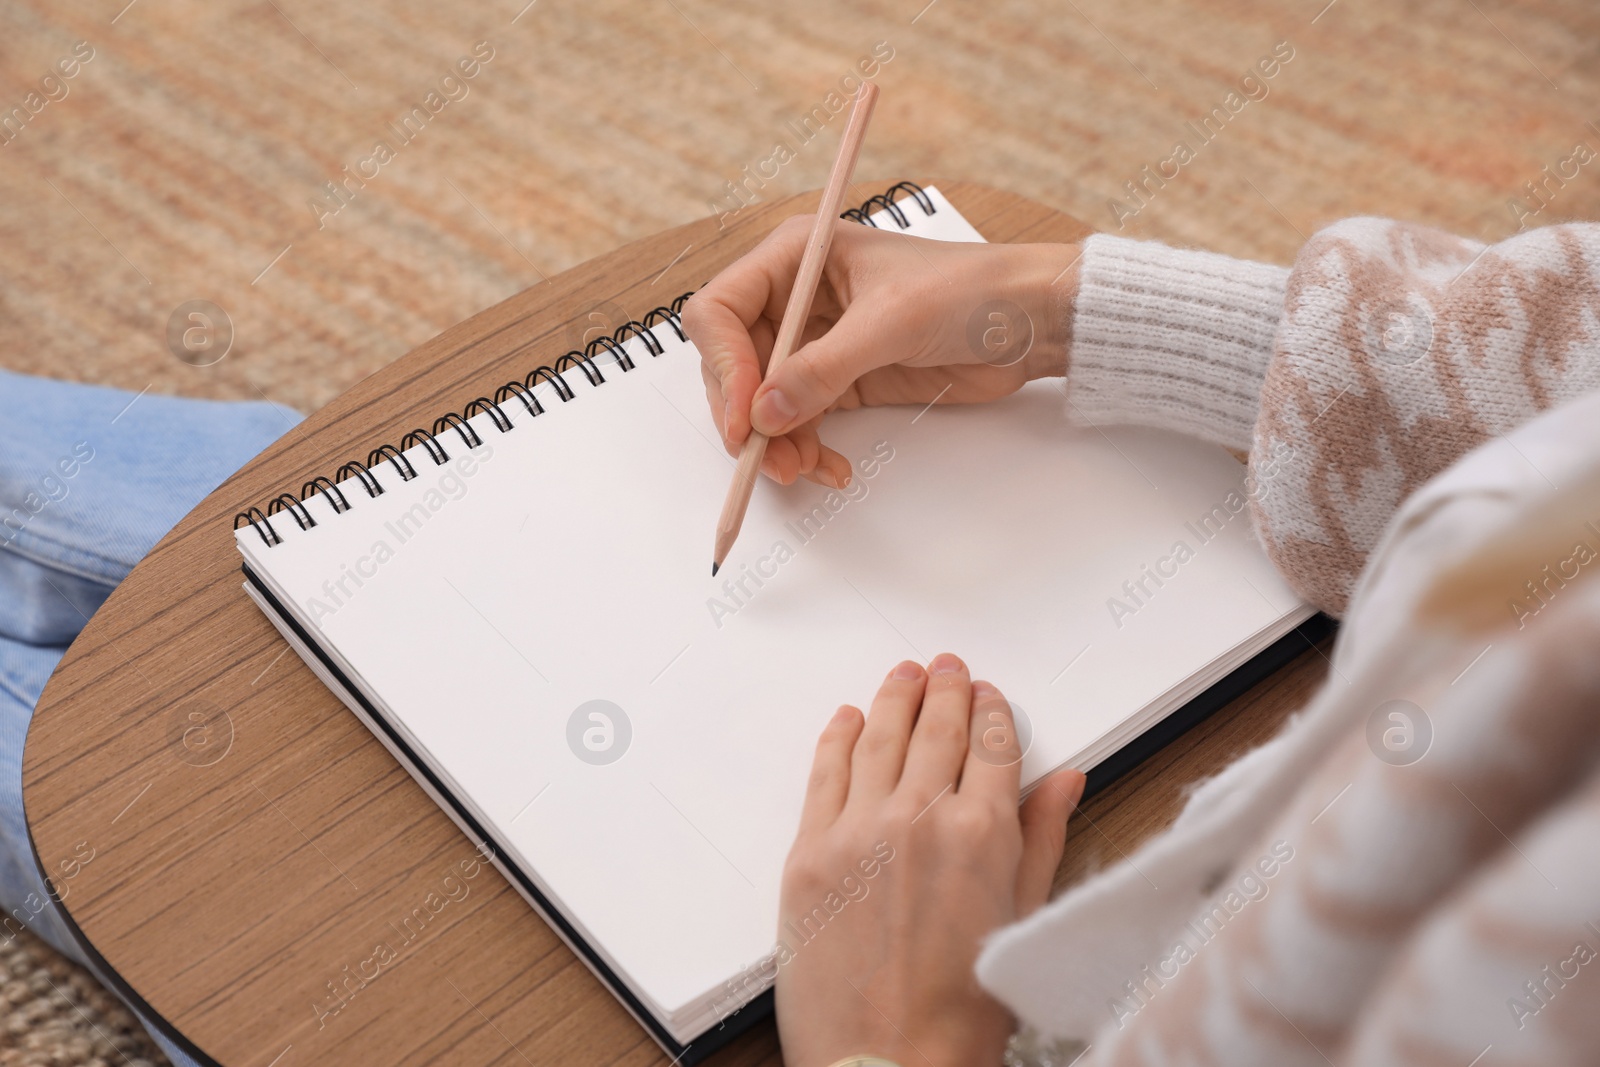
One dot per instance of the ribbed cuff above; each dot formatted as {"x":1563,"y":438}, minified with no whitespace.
{"x":1172,"y":338}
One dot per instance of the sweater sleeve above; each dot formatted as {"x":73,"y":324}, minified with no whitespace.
{"x":1172,"y":337}
{"x":1384,"y":354}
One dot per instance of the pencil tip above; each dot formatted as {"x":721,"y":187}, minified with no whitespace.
{"x":714,"y":568}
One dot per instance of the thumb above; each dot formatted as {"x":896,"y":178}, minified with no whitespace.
{"x":1044,"y":836}
{"x":816,"y":374}
{"x":728,"y":356}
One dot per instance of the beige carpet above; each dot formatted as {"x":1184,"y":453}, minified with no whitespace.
{"x":53,"y":1014}
{"x":181,"y":161}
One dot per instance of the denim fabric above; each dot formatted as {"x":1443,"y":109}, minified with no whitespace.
{"x":90,"y":478}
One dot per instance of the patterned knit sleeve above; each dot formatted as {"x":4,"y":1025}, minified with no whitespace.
{"x":1387,"y":352}
{"x":1506,"y":963}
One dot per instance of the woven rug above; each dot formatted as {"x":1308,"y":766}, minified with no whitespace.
{"x":191,"y":157}
{"x":57,"y":1015}
{"x":215,"y":150}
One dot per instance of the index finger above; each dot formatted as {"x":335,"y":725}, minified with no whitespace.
{"x":993,"y":766}
{"x":720,"y":317}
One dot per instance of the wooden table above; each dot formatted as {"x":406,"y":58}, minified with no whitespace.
{"x":251,"y":842}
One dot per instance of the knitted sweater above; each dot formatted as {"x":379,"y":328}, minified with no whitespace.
{"x":1408,"y":873}
{"x":1385,"y":354}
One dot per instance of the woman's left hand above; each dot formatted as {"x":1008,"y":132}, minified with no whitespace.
{"x":911,"y":850}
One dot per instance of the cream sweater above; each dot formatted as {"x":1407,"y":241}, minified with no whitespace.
{"x":1387,"y":353}
{"x":1410,"y":872}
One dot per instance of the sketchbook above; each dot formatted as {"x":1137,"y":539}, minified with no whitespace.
{"x":517,"y":603}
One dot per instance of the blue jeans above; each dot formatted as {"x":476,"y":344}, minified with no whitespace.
{"x":90,"y":478}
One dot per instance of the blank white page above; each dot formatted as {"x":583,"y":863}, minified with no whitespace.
{"x":572,"y":565}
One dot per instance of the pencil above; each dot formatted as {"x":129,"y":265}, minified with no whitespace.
{"x":795,"y":313}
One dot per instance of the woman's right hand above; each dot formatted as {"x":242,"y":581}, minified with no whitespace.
{"x":896,"y":320}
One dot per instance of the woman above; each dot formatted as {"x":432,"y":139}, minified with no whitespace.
{"x":1335,"y":894}
{"x":90,"y":479}
{"x":1384,"y":356}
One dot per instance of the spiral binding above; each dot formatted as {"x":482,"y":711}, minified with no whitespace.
{"x":886,"y":201}
{"x":585,"y":360}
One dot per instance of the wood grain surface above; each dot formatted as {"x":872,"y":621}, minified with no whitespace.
{"x":252,"y":841}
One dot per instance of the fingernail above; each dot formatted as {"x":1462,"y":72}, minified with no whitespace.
{"x":841,"y":714}
{"x":727,"y":417}
{"x":907,"y":671}
{"x":984,"y":690}
{"x":945,"y":663}
{"x":828,"y":478}
{"x":1075,"y":786}
{"x":772,"y":411}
